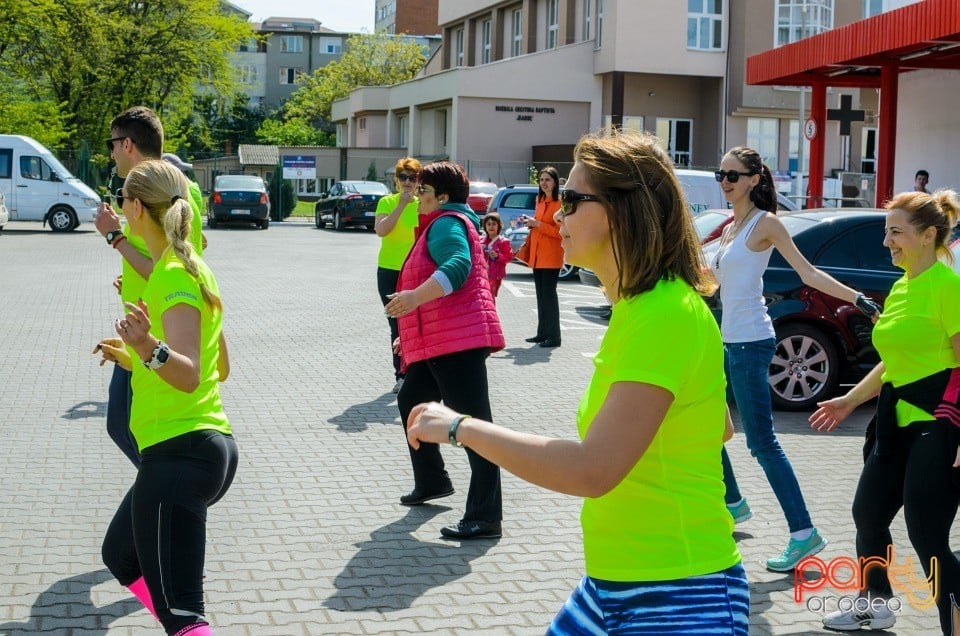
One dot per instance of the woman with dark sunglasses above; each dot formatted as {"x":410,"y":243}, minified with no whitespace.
{"x":657,"y":538}
{"x":749,"y":339}
{"x":395,"y":222}
{"x":546,"y":258}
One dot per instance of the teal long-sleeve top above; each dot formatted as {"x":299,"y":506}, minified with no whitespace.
{"x":449,"y":247}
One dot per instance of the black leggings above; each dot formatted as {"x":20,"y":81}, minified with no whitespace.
{"x":159,"y":531}
{"x":387,"y":284}
{"x":548,"y":304}
{"x":460,"y":381}
{"x":918,"y":479}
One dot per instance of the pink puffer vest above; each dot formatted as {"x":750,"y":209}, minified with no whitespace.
{"x":463,"y":320}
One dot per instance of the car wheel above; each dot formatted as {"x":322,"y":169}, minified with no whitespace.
{"x":337,"y":223}
{"x":264,"y":224}
{"x":61,"y":219}
{"x":805,"y":368}
{"x":316,"y":220}
{"x":212,"y":222}
{"x":568,"y":272}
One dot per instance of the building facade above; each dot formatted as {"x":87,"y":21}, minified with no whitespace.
{"x":294,"y":47}
{"x":413,"y":17}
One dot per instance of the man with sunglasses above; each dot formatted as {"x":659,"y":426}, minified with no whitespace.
{"x":136,"y":135}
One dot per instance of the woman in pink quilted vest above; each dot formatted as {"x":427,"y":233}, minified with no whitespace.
{"x":448,"y":327}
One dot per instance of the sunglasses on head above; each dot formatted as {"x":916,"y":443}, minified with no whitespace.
{"x":569,"y":199}
{"x":403,"y":176}
{"x":731,"y":175}
{"x":110,"y":141}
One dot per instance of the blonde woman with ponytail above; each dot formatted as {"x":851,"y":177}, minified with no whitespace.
{"x":155,"y":543}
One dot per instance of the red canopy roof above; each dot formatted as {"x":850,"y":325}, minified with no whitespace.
{"x":921,"y":35}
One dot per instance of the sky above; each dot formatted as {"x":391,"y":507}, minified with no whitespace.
{"x":350,"y":16}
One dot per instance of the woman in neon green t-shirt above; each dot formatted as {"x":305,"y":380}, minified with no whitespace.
{"x":155,"y":543}
{"x":912,"y":443}
{"x":396,"y":221}
{"x":660,"y":555}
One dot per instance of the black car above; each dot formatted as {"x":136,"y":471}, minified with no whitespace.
{"x":823,"y":341}
{"x":349,"y":204}
{"x":239,"y":198}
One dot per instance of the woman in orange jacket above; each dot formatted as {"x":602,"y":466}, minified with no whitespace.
{"x":546,"y":258}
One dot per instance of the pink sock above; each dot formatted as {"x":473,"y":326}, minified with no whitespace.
{"x":139,"y":589}
{"x":197,"y":629}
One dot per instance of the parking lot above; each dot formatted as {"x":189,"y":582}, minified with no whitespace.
{"x":311,"y":539}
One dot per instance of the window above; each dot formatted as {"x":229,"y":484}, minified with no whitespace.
{"x":599,"y":23}
{"x":794,"y":148}
{"x":249,"y":73}
{"x":339,"y":140}
{"x":763,"y":135}
{"x":517,"y":44}
{"x":291,"y":44}
{"x":290,"y":75}
{"x":402,"y":132}
{"x":798,"y":19}
{"x":459,"y":49}
{"x":587,"y":18}
{"x":868,"y":150}
{"x":705,"y":25}
{"x":6,"y":161}
{"x":630,"y":122}
{"x":331,"y":46}
{"x":872,"y":8}
{"x":312,"y":186}
{"x":34,"y":168}
{"x":485,"y":58}
{"x":553,"y":23}
{"x":676,"y":137}
{"x":362,"y":123}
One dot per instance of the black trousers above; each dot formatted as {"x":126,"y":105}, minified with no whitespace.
{"x":118,"y":414}
{"x":919,"y":480}
{"x":548,"y":305}
{"x":387,"y":284}
{"x":459,"y":380}
{"x":159,"y":530}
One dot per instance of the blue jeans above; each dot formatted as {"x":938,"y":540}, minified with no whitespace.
{"x":746,"y":365}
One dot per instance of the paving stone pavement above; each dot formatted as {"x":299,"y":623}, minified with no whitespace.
{"x":310,"y":539}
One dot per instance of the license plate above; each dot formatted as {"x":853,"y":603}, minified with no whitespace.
{"x":369,"y":214}
{"x":239,"y":211}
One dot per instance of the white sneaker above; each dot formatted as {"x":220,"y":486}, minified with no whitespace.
{"x":396,"y":387}
{"x":853,"y":620}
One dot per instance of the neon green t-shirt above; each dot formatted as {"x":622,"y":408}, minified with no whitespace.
{"x":913,"y":334}
{"x":667,"y":518}
{"x":161,"y":412}
{"x":133,"y":283}
{"x":395,"y":246}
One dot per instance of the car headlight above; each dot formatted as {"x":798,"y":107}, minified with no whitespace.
{"x":92,"y":203}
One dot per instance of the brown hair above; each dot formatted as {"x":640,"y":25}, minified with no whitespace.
{"x":446,"y":178}
{"x":651,"y":228}
{"x":764,"y":195}
{"x":144,"y":129}
{"x":938,"y":210}
{"x":555,"y":195}
{"x":164,"y":190}
{"x":492,"y":216}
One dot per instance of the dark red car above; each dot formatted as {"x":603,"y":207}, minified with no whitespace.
{"x":481,"y":192}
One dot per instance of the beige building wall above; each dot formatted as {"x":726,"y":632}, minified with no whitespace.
{"x":927,"y":125}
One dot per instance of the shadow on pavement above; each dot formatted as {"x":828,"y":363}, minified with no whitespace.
{"x":394,"y":568}
{"x":86,"y":409}
{"x":68,"y":602}
{"x":522,"y":356}
{"x":358,"y":417}
{"x":599,"y":315}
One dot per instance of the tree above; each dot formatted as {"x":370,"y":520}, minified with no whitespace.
{"x":375,"y":59}
{"x":293,"y":132}
{"x":95,"y":58}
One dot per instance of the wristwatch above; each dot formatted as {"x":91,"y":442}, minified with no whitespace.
{"x":112,"y":236}
{"x":161,"y":353}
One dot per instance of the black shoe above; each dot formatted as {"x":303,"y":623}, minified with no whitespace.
{"x":473,"y":530}
{"x":415,"y":497}
{"x":550,"y":342}
{"x":535,"y":339}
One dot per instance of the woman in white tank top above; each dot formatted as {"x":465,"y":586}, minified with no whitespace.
{"x":749,"y":339}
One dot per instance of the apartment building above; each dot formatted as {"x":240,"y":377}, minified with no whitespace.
{"x":522,"y":80}
{"x":413,"y":17}
{"x":293,"y":47}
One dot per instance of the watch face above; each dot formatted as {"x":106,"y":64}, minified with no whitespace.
{"x":163,"y":354}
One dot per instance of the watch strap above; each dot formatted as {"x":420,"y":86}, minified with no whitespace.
{"x":454,"y":425}
{"x":161,"y":353}
{"x":112,"y":235}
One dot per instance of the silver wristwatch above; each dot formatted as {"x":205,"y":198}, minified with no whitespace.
{"x":161,"y":353}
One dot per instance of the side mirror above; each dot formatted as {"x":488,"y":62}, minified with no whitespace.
{"x":55,"y":177}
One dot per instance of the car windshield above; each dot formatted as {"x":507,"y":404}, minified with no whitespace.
{"x":239,"y":182}
{"x":483,"y":188}
{"x":369,"y":187}
{"x":707,"y":222}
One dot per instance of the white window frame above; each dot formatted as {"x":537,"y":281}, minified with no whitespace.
{"x":553,"y":24}
{"x":487,"y":38}
{"x":865,"y":160}
{"x":330,"y":46}
{"x":362,"y":123}
{"x":587,"y":18}
{"x":793,"y":135}
{"x":868,"y":12}
{"x":599,"y":24}
{"x":704,"y":24}
{"x":285,"y":72}
{"x":339,"y":139}
{"x":667,"y":133}
{"x":763,"y":135}
{"x":313,"y":187}
{"x":249,"y":74}
{"x":632,"y":123}
{"x":458,"y":51}
{"x":788,"y":20}
{"x":291,"y":44}
{"x":516,"y":46}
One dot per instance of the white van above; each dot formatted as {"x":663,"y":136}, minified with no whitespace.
{"x":37,"y":187}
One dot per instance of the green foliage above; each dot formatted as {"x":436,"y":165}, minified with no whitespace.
{"x":369,"y":59}
{"x":283,"y":199}
{"x":372,"y":171}
{"x":293,"y":132}
{"x":212,"y":123}
{"x":534,"y":174}
{"x":95,"y":58}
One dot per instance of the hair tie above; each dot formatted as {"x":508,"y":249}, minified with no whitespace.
{"x":174,"y":199}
